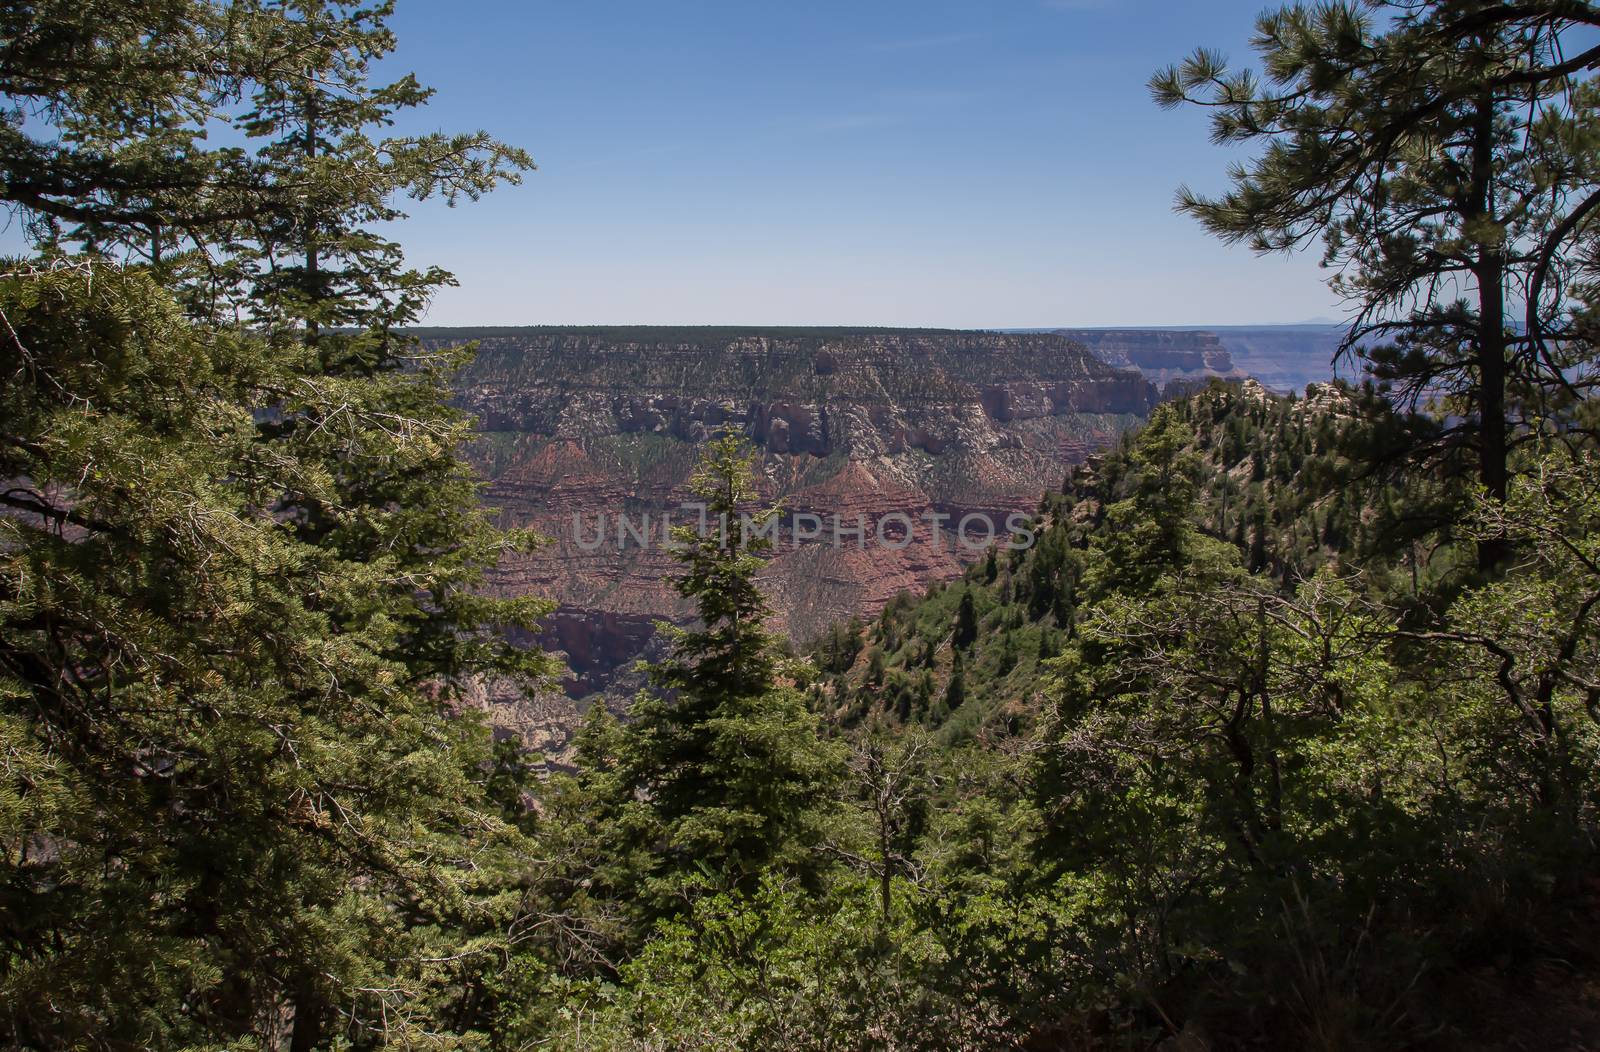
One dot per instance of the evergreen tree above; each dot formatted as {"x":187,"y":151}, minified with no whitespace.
{"x":1258,"y":543}
{"x":955,"y":692}
{"x":966,"y":630}
{"x":241,"y":582}
{"x":122,"y":160}
{"x":1443,"y":152}
{"x":729,"y":760}
{"x":510,"y":782}
{"x":875,"y":667}
{"x":1149,"y":531}
{"x":1008,"y":654}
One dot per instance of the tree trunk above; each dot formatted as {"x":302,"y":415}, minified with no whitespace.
{"x":313,"y":262}
{"x":886,"y":875}
{"x":1491,"y":336}
{"x":308,"y":1020}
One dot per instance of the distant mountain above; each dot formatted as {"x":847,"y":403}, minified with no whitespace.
{"x":579,"y":425}
{"x":1287,"y":357}
{"x":1172,"y":359}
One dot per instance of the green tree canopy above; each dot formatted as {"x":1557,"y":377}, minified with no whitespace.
{"x":241,"y":600}
{"x":1445,"y":154}
{"x":724,"y":750}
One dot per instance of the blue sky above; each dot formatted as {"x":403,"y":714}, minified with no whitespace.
{"x":879,"y":162}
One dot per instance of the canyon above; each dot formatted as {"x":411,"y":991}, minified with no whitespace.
{"x":579,"y":428}
{"x":1164,"y":357}
{"x":1283,"y":358}
{"x":589,"y":435}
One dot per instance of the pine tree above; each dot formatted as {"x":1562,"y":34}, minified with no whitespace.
{"x":966,"y":630}
{"x":510,"y":782}
{"x":1443,"y":154}
{"x":875,"y":667}
{"x":1258,"y":543}
{"x":1149,"y":531}
{"x":1008,"y":654}
{"x":955,"y":693}
{"x":724,"y":751}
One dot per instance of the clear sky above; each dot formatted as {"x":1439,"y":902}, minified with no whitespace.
{"x":896,"y":162}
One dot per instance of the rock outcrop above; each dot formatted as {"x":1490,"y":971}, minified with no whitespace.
{"x":887,"y":436}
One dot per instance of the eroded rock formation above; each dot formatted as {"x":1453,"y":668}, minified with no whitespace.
{"x":1161,"y":355}
{"x":590,"y":436}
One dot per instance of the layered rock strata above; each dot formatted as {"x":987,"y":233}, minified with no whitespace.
{"x":880,"y":444}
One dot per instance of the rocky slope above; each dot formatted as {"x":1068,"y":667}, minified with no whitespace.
{"x":895,"y":432}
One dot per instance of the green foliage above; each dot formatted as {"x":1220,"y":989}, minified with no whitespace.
{"x":1249,"y":742}
{"x":955,"y":692}
{"x":723,"y":774}
{"x":1158,"y":504}
{"x":1444,"y":155}
{"x":241,"y":566}
{"x":1285,"y":710}
{"x":966,"y":629}
{"x":1276,"y":745}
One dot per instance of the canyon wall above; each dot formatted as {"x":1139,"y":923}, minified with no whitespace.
{"x":1167,"y":357}
{"x":579,"y":426}
{"x":1284,"y":358}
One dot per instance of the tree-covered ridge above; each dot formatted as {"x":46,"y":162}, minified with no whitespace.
{"x":1288,"y":482}
{"x":1289,"y":784}
{"x":1444,"y":156}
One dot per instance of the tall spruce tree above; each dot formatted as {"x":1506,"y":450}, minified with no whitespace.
{"x":1444,"y":152}
{"x":240,"y":559}
{"x":724,"y":751}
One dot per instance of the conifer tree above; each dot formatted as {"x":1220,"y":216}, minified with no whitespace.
{"x":1149,"y":531}
{"x":724,"y":751}
{"x":1443,"y":153}
{"x":955,"y":692}
{"x":966,"y":630}
{"x":240,"y":577}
